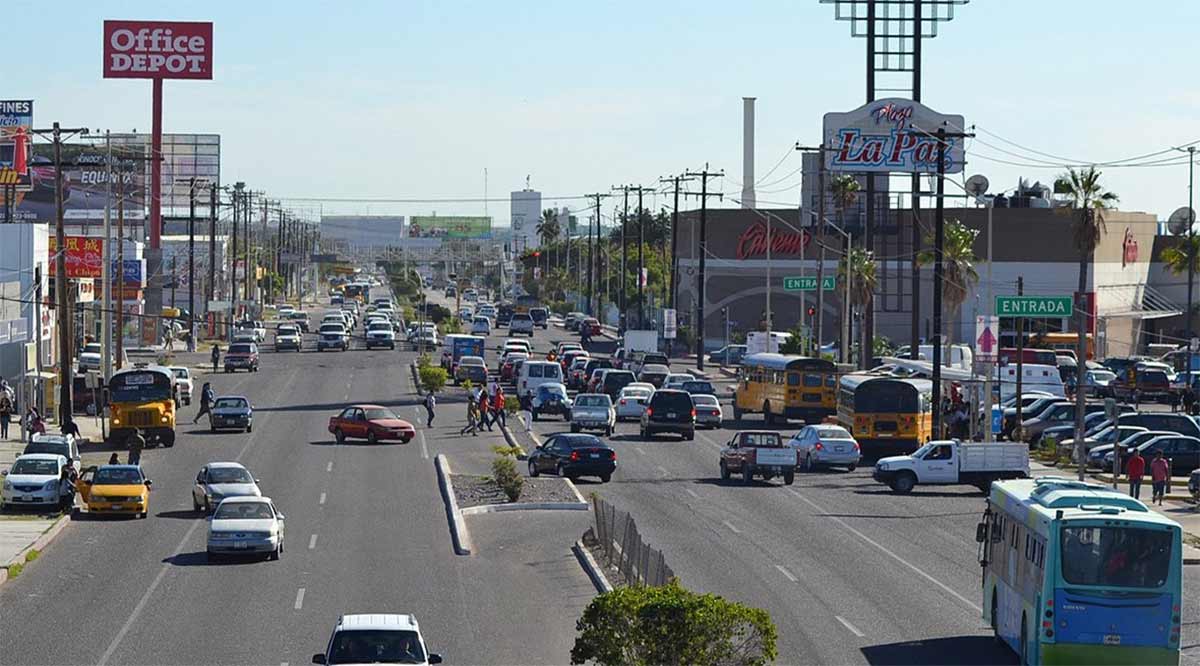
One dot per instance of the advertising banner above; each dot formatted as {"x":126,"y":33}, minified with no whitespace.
{"x":157,"y":50}
{"x":891,"y":136}
{"x":85,"y":185}
{"x":85,"y":256}
{"x":449,"y":226}
{"x":16,"y":124}
{"x":134,"y":273}
{"x":87,"y":291}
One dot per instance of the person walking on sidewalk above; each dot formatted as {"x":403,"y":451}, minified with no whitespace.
{"x":136,"y":444}
{"x":498,"y":412}
{"x":206,"y":398}
{"x":485,"y":404}
{"x":526,"y":400}
{"x":430,"y":403}
{"x":216,"y":355}
{"x":1160,"y":473}
{"x":1135,"y":468}
{"x":34,"y":422}
{"x":6,"y":412}
{"x":472,"y":413}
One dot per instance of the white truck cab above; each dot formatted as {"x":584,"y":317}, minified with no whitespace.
{"x":950,"y":462}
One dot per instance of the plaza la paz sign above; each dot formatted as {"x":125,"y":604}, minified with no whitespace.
{"x":891,"y":136}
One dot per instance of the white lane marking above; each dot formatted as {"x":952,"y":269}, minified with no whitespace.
{"x":312,"y":542}
{"x":329,"y":466}
{"x":887,"y":552}
{"x":424,"y":448}
{"x":299,"y":599}
{"x":640,"y":451}
{"x":853,"y":629}
{"x":322,"y":500}
{"x":691,"y":492}
{"x":731,"y":527}
{"x":786,"y":573}
{"x":662,"y":471}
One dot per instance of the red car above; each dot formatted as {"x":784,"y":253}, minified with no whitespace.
{"x":508,"y":369}
{"x":372,"y":423}
{"x":592,"y":325}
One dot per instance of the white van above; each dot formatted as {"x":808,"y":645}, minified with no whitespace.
{"x":1034,"y":377}
{"x":955,"y":356}
{"x":535,"y":373}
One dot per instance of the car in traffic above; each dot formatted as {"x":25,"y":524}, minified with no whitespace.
{"x":540,"y":316}
{"x":115,"y":489}
{"x":35,"y":480}
{"x":472,"y":368}
{"x":614,"y":381}
{"x":728,"y":355}
{"x":675,"y":380}
{"x":380,"y":334}
{"x":300,"y":319}
{"x":219,"y":480}
{"x":669,"y":412}
{"x":287,"y":336}
{"x":591,"y":326}
{"x":245,"y":525}
{"x":373,"y":423}
{"x":575,"y":372}
{"x":332,"y":335}
{"x":571,"y":320}
{"x":183,"y":384}
{"x":593,"y":411}
{"x":757,"y":453}
{"x":708,"y":411}
{"x":535,"y":373}
{"x":632,"y":401}
{"x":550,"y":398}
{"x":654,"y":374}
{"x":89,"y":357}
{"x":699,"y":387}
{"x":572,"y":456}
{"x":825,"y":445}
{"x":241,"y":356}
{"x":595,"y":380}
{"x":481,"y":326}
{"x":231,"y":411}
{"x":509,"y":364}
{"x":376,"y":638}
{"x":521,"y":322}
{"x":254,"y":328}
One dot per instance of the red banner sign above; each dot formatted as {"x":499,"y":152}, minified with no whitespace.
{"x":85,"y":256}
{"x":753,"y":242}
{"x":157,"y":50}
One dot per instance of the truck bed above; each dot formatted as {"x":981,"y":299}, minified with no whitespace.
{"x":994,"y":457}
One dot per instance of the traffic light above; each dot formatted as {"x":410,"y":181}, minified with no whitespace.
{"x":536,"y":254}
{"x":811,"y":311}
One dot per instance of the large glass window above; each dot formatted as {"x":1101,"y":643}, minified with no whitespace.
{"x":1116,"y":556}
{"x":885,"y":397}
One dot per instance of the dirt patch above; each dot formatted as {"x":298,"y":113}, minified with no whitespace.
{"x":476,"y":490}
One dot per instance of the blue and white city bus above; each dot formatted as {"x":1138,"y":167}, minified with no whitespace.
{"x":1077,"y":573}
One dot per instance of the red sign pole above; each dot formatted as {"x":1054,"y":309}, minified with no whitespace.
{"x":155,"y":166}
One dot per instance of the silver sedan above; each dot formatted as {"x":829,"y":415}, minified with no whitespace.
{"x":824,"y":445}
{"x":633,"y":400}
{"x":708,"y":410}
{"x":245,"y":526}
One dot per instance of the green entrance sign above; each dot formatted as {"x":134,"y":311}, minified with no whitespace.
{"x":808,"y":283}
{"x":1034,"y":306}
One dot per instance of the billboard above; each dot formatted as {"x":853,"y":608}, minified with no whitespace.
{"x":85,"y":256}
{"x":449,"y":226}
{"x":157,"y":50}
{"x":16,"y":125}
{"x":362,"y":231}
{"x":85,"y":184}
{"x":892,"y":136}
{"x":187,"y":156}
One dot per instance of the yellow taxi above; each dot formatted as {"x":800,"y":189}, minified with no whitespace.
{"x":115,"y":489}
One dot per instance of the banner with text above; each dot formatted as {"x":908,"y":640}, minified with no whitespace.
{"x":157,"y":50}
{"x":16,"y":139}
{"x":449,"y":226}
{"x":891,"y":136}
{"x":85,"y":256}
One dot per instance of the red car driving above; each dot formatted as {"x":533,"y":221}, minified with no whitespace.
{"x":372,"y":423}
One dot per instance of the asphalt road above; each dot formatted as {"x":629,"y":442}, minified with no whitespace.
{"x":849,"y":572}
{"x":366,"y":531}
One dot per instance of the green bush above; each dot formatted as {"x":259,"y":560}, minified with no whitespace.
{"x":450,"y":325}
{"x":511,"y":404}
{"x":505,"y":474}
{"x":423,"y":361}
{"x":672,"y":625}
{"x":433,"y":378}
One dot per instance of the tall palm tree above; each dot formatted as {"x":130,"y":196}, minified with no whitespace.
{"x":958,"y":265}
{"x":548,"y":230}
{"x":1176,"y":258}
{"x":844,"y":190}
{"x":1088,"y":201}
{"x":859,"y":266}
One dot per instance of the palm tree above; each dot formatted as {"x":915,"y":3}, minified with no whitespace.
{"x":858,"y":265}
{"x":1088,"y":200}
{"x":548,"y":230}
{"x":844,"y":190}
{"x":958,"y":265}
{"x":1176,"y":258}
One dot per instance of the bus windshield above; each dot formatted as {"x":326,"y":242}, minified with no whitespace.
{"x":886,"y":398}
{"x":1116,"y":556}
{"x":141,"y":386}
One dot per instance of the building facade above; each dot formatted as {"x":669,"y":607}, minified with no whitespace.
{"x":525,"y":210}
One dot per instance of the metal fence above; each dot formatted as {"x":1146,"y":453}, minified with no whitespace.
{"x":623,"y":549}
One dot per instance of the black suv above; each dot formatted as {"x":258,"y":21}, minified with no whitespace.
{"x":614,"y":381}
{"x":669,"y":411}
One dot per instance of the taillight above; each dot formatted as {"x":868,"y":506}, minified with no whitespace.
{"x":622,"y":401}
{"x":693,"y":413}
{"x":856,"y":446}
{"x":612,"y":455}
{"x":574,"y":456}
{"x":819,"y":446}
{"x":649,"y":411}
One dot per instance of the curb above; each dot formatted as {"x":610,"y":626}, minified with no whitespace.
{"x":528,"y":506}
{"x":458,"y":527}
{"x":512,"y":439}
{"x":590,"y":567}
{"x":39,"y":544}
{"x":416,"y":377}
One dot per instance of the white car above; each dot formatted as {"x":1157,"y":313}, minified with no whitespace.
{"x":245,"y":525}
{"x":183,"y":383}
{"x":708,"y":410}
{"x":674,"y":381}
{"x":822,"y":445}
{"x":33,"y":480}
{"x":287,"y":336}
{"x":521,"y":322}
{"x":333,"y":336}
{"x":284,"y":310}
{"x":481,"y":326}
{"x":593,"y":411}
{"x":377,"y":638}
{"x":632,"y":401}
{"x":89,"y":358}
{"x":380,"y":334}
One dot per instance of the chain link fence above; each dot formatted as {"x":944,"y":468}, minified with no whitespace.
{"x":621,"y":547}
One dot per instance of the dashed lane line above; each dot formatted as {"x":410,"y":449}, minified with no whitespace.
{"x":312,"y":542}
{"x":732,"y":528}
{"x":845,"y":623}
{"x":787,"y":574}
{"x":329,"y":466}
{"x":692,"y":493}
{"x":322,"y":500}
{"x":299,"y":599}
{"x":424,"y":448}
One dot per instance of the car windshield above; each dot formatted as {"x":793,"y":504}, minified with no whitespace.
{"x":698,"y":387}
{"x":229,"y":403}
{"x":286,"y":330}
{"x":117,"y":476}
{"x":374,"y":413}
{"x":243,"y":511}
{"x":552,"y":391}
{"x":379,"y":326}
{"x":762,"y":439}
{"x":376,"y":647}
{"x":671,"y":400}
{"x":1116,"y":556}
{"x":229,"y":475}
{"x":44,"y":467}
{"x":592,"y":401}
{"x":331,"y":328}
{"x":470,"y":360}
{"x":830,"y":432}
{"x":180,"y":373}
{"x":581,"y":441}
{"x":241,"y":349}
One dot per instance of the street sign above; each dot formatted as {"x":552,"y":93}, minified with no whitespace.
{"x":987,"y":339}
{"x":670,"y":326}
{"x":997,"y":419}
{"x":1034,"y":306}
{"x":808,"y":283}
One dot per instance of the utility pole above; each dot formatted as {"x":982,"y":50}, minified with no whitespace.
{"x":591,"y":255}
{"x":624,"y":256}
{"x":192,"y":266}
{"x":212,"y":243}
{"x":1018,"y":435}
{"x":938,"y":275}
{"x":674,"y":267}
{"x":641,"y":213}
{"x":106,"y":339}
{"x":233,"y":277}
{"x":703,"y":250}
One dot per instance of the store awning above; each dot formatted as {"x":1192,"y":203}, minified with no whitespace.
{"x":1134,"y":301}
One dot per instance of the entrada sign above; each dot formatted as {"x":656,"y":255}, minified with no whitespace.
{"x":809,"y":283}
{"x":891,"y":135}
{"x":1034,"y":306}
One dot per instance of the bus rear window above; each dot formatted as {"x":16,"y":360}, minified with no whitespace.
{"x":1116,"y":556}
{"x":812,"y":380}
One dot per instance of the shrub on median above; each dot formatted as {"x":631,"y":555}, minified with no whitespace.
{"x":433,"y":378}
{"x":505,"y":474}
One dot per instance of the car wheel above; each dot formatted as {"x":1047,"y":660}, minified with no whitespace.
{"x":789,"y":478}
{"x":372,"y":438}
{"x":904,"y":483}
{"x":605,"y":478}
{"x":339,"y":436}
{"x":851,"y":467}
{"x":558,"y":469}
{"x":724,"y":471}
{"x":533,"y":470}
{"x":250,"y":428}
{"x":277,"y":552}
{"x":747,"y":475}
{"x":574,"y":427}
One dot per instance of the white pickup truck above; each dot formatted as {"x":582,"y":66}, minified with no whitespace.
{"x":950,"y":462}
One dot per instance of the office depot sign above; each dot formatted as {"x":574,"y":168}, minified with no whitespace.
{"x":157,"y":50}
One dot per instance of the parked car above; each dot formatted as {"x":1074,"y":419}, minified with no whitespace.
{"x":376,"y":638}
{"x":824,"y":445}
{"x":669,"y":411}
{"x":708,"y":411}
{"x":373,"y":423}
{"x":287,"y":336}
{"x":231,"y":411}
{"x":633,"y":400}
{"x":760,"y":453}
{"x":550,"y":398}
{"x":245,"y":526}
{"x":593,"y":411}
{"x":241,"y":355}
{"x":218,"y":480}
{"x":573,"y":456}
{"x":1182,"y":453}
{"x":35,"y":480}
{"x":56,"y":444}
{"x":728,"y":355}
{"x":1101,"y":455}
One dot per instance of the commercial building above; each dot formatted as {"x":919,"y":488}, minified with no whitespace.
{"x":25,"y":255}
{"x":525,"y":210}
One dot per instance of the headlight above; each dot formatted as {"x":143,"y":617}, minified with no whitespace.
{"x":8,"y":485}
{"x":116,"y":421}
{"x":882,"y":467}
{"x":50,"y":485}
{"x":163,"y":418}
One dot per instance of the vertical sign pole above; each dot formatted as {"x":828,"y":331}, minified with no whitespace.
{"x":154,"y":286}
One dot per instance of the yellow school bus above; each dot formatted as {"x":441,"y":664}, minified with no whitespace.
{"x":781,"y":386}
{"x":142,"y":398}
{"x":890,"y":415}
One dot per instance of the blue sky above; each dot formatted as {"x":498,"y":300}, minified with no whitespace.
{"x":409,"y":99}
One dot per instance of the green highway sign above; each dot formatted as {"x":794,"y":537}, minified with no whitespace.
{"x":808,"y":283}
{"x":1034,"y":306}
